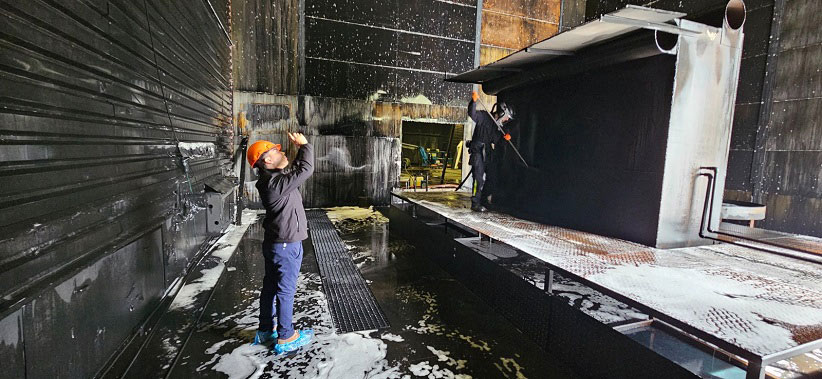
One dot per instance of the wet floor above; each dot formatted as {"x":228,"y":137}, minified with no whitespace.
{"x":439,"y":329}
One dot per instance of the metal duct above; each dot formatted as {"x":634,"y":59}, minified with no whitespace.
{"x":638,"y":45}
{"x":735,"y":15}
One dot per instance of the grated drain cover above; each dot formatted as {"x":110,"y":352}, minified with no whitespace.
{"x":353,"y":306}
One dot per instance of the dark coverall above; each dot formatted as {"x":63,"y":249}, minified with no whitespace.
{"x":485,"y":133}
{"x":286,"y":227}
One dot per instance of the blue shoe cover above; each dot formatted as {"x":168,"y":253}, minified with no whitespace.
{"x":264,"y":338}
{"x":302,"y":340}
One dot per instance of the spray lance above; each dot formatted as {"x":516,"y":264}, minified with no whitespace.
{"x":507,"y":137}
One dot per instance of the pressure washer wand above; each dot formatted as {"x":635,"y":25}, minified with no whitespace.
{"x":502,"y":131}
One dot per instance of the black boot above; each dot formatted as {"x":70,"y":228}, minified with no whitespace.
{"x":478,"y":208}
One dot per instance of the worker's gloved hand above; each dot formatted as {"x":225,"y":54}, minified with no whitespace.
{"x":297,"y":139}
{"x":474,"y":96}
{"x":507,"y":137}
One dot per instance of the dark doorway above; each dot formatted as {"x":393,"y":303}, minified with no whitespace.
{"x":430,"y":154}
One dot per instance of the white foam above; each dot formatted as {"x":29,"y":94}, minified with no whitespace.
{"x":392,"y":337}
{"x":330,"y":355}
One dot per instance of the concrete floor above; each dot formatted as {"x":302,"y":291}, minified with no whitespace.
{"x":439,"y":329}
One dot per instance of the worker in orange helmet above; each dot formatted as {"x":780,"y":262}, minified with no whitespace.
{"x":485,"y":136}
{"x":285,"y":228}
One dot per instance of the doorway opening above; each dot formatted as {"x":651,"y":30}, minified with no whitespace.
{"x":431,"y":154}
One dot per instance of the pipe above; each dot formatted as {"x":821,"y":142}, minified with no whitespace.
{"x":666,"y":42}
{"x":709,"y":203}
{"x":732,"y":23}
{"x":735,"y":15}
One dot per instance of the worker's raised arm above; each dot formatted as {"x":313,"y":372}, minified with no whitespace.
{"x":472,"y":107}
{"x":300,"y":171}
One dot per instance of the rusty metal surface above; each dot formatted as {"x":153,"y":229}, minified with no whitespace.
{"x":570,"y":41}
{"x":759,"y":303}
{"x":789,"y":241}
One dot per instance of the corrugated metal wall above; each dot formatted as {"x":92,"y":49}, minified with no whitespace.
{"x":103,"y":106}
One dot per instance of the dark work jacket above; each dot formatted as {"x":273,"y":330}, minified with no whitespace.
{"x":285,"y":219}
{"x":485,"y":131}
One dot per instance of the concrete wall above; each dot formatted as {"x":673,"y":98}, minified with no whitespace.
{"x":100,"y":104}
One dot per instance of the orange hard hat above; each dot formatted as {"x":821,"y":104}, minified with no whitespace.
{"x":257,"y":149}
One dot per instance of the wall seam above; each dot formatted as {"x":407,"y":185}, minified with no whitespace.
{"x":759,"y":149}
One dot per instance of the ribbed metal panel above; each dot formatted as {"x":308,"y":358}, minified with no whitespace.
{"x":103,"y":105}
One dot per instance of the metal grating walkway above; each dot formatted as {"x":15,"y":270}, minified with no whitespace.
{"x":353,"y":306}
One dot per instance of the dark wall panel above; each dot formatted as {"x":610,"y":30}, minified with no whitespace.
{"x":265,"y":54}
{"x":749,"y":95}
{"x":11,"y":345}
{"x":112,"y":115}
{"x":346,"y":80}
{"x":791,"y":149}
{"x":597,"y":165}
{"x":796,"y":214}
{"x":793,"y":173}
{"x":743,"y":136}
{"x":364,"y":12}
{"x":796,"y":125}
{"x":750,"y":79}
{"x":350,"y":43}
{"x":93,"y":311}
{"x":739,"y":170}
{"x":354,"y":48}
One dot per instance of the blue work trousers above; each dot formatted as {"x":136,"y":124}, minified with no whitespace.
{"x":282,"y":266}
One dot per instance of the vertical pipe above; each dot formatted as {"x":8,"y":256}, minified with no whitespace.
{"x":478,"y":38}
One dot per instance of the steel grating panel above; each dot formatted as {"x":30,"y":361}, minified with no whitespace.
{"x":353,"y":306}
{"x":753,"y":303}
